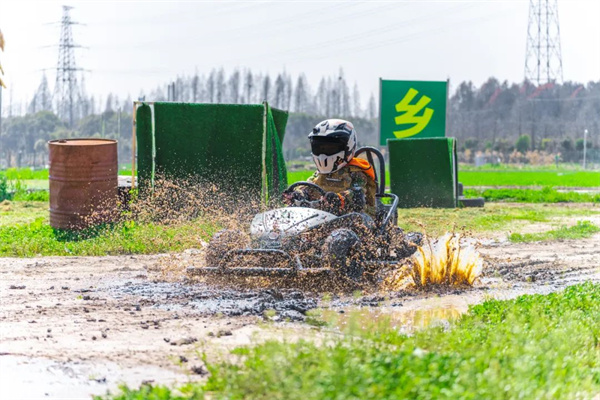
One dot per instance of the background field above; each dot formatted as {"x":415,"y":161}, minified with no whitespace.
{"x":25,"y":229}
{"x":560,"y":178}
{"x":568,"y":184}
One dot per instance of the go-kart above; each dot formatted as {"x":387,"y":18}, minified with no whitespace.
{"x":291,"y":241}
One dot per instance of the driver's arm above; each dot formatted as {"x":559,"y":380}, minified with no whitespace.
{"x":354,"y":199}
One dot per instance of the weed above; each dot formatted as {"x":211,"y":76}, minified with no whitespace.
{"x":583,"y":229}
{"x":545,"y":195}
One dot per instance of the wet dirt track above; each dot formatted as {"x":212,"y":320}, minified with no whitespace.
{"x":70,"y":327}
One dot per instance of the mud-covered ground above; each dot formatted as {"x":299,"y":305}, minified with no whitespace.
{"x":75,"y":326}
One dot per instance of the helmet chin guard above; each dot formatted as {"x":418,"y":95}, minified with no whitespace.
{"x":328,"y":164}
{"x":333,"y":143}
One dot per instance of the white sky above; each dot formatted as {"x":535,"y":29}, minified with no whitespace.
{"x":135,"y":45}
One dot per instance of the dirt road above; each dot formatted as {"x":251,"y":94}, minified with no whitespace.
{"x":75,"y":326}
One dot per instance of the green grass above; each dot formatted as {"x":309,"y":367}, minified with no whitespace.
{"x":583,"y":229}
{"x":494,"y":218}
{"x":39,"y":184}
{"x":522,"y":167}
{"x":38,"y":238}
{"x":22,"y":212}
{"x":25,"y":232}
{"x":25,"y":174}
{"x":530,"y":178}
{"x":297,"y":176}
{"x":545,"y":195}
{"x":533,"y":347}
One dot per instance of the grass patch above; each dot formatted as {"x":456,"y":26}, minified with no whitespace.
{"x":13,"y":174}
{"x":22,"y":212}
{"x":491,"y":218}
{"x":545,"y":195}
{"x":530,"y":178}
{"x":25,"y":232}
{"x":297,"y":176}
{"x":583,"y":229}
{"x":38,"y":238}
{"x":533,"y":347}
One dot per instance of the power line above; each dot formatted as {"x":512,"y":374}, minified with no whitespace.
{"x":359,"y":36}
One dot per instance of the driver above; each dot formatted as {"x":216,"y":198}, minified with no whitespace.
{"x":349,"y":182}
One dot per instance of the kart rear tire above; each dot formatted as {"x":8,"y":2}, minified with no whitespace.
{"x":223,"y":242}
{"x":340,"y":251}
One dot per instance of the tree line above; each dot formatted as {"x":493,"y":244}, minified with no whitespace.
{"x":496,"y":117}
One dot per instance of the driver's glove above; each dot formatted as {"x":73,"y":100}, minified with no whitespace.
{"x":293,"y":198}
{"x":332,"y":202}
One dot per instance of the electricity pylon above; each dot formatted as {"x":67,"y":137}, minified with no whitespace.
{"x":543,"y":61}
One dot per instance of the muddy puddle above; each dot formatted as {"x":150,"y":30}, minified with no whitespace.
{"x":76,"y":326}
{"x":207,"y":301}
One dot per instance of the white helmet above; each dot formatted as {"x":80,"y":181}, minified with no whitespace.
{"x":333,"y":143}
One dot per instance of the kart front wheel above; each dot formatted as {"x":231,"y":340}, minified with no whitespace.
{"x":223,"y":242}
{"x":340,"y":251}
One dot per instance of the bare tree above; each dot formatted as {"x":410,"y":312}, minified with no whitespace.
{"x":234,"y":87}
{"x":249,"y":87}
{"x":372,"y":108}
{"x":357,"y":107}
{"x":278,"y":99}
{"x":266,"y":88}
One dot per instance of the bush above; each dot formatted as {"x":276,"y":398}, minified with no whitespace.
{"x":547,"y":144}
{"x":3,"y":187}
{"x":471,"y":144}
{"x":567,"y":145}
{"x":523,"y":143}
{"x":503,"y":146}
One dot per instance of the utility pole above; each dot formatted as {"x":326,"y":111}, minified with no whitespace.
{"x":585,"y":132}
{"x":119,"y":124}
{"x":1,"y":82}
{"x":543,"y":59}
{"x":66,"y":89}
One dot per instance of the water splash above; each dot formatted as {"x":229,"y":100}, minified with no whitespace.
{"x":445,"y":262}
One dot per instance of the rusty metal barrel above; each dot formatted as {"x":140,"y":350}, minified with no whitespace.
{"x":83,"y":182}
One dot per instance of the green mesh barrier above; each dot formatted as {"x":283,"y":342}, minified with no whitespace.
{"x":276,"y":171}
{"x":144,"y":138}
{"x":236,"y":147}
{"x":423,"y":172}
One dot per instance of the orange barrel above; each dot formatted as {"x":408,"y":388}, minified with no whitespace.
{"x":83,"y":182}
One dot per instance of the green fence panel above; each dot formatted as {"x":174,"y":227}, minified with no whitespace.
{"x":223,"y":144}
{"x":144,"y":139}
{"x":276,"y":171}
{"x":423,"y":172}
{"x":280,"y":119}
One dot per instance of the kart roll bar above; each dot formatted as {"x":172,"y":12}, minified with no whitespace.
{"x":392,"y":210}
{"x":379,"y":177}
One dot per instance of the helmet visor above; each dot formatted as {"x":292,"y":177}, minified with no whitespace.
{"x":328,"y":145}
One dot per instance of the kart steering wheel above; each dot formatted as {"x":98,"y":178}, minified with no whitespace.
{"x":310,"y":185}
